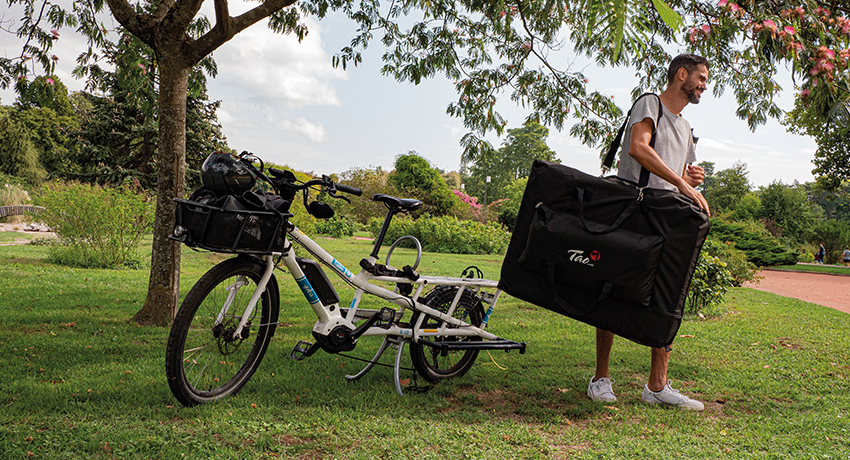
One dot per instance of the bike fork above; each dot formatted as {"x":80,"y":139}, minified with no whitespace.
{"x":261,"y":287}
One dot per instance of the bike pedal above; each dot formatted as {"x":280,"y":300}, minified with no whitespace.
{"x":385,"y":318}
{"x":303,"y":349}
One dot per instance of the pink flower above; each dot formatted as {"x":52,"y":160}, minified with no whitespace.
{"x":721,"y":3}
{"x":706,"y":28}
{"x":805,"y":93}
{"x":50,"y":81}
{"x":55,"y":33}
{"x":789,"y":30}
{"x":770,"y":25}
{"x":826,"y":52}
{"x":502,"y":13}
{"x":734,"y":7}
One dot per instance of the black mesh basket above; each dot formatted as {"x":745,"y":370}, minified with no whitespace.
{"x":222,"y":230}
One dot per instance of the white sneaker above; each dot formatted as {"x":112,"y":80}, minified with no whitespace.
{"x":601,"y":390}
{"x":671,"y":397}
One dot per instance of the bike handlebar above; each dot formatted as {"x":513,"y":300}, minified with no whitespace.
{"x":287,"y":179}
{"x":349,"y":189}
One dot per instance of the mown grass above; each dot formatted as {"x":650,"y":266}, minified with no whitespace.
{"x":815,"y":268}
{"x":79,"y":381}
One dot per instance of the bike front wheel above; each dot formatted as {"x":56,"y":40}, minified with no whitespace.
{"x":429,"y":362}
{"x":204,"y":359}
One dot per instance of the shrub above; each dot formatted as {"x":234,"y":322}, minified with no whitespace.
{"x":752,"y":238}
{"x":446,"y":234}
{"x":720,"y":266}
{"x":97,"y":227}
{"x":710,"y":282}
{"x":741,"y":269}
{"x":336,"y":227}
{"x":415,"y":176}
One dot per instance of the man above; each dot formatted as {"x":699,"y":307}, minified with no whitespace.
{"x":670,"y":166}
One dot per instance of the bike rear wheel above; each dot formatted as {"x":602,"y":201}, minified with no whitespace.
{"x":430,"y":362}
{"x":203,"y":360}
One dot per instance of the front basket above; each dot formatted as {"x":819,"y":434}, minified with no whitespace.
{"x":232,"y":231}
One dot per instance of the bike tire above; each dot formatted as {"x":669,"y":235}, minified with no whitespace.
{"x":203,"y":362}
{"x":429,"y":362}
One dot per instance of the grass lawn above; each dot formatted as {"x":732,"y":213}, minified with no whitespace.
{"x":79,"y":381}
{"x":815,"y":268}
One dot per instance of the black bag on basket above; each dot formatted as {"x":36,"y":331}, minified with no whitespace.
{"x":605,"y":252}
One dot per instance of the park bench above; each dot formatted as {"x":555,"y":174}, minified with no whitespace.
{"x":6,"y":211}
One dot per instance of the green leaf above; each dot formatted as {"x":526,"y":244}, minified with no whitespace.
{"x":673,"y":19}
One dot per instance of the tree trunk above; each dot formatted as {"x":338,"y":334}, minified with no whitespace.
{"x":164,"y":286}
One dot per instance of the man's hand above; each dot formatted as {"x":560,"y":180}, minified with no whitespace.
{"x":688,"y":190}
{"x":694,"y":175}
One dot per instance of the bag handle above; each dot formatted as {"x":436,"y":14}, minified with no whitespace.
{"x":596,"y":228}
{"x":615,"y":145}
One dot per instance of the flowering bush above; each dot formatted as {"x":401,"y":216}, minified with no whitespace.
{"x":470,"y":200}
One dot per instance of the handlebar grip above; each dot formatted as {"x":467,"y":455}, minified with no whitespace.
{"x":348,"y":189}
{"x":277,"y":172}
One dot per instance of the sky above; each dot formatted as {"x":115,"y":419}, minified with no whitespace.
{"x":286,"y":103}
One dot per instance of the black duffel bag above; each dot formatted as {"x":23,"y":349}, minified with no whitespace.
{"x":605,"y":252}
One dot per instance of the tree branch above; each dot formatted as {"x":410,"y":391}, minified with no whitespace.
{"x":132,"y":21}
{"x":162,"y":9}
{"x":221,"y":32}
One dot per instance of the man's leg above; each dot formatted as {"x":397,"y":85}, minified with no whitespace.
{"x":658,"y":369}
{"x":658,"y":391}
{"x":604,"y":343}
{"x":599,"y":388}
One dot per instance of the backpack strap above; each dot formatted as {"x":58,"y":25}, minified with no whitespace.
{"x":615,"y":145}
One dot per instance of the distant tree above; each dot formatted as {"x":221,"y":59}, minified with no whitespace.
{"x":511,"y":162}
{"x":44,"y":92}
{"x":835,"y":203}
{"x":787,"y":211}
{"x":509,"y":210}
{"x":44,"y":109}
{"x":371,"y":181}
{"x":415,"y":175}
{"x":710,"y":180}
{"x":834,"y":235}
{"x":18,"y":156}
{"x":729,"y":187}
{"x":748,"y":208}
{"x":453,"y":179}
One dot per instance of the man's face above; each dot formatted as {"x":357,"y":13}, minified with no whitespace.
{"x":695,"y":83}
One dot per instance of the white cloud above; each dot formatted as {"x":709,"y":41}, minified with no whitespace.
{"x":312,"y":131}
{"x":274,"y":69}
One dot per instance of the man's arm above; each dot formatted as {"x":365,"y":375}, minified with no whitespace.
{"x":647,"y":157}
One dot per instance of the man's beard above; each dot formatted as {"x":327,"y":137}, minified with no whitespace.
{"x":691,"y":93}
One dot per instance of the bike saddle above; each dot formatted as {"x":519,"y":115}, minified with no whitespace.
{"x":398,"y":204}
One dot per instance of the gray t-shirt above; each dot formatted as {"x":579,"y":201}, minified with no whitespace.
{"x":674,"y":142}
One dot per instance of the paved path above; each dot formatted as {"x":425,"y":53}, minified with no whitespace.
{"x":828,"y":290}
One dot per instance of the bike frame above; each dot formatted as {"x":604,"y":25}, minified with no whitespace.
{"x":330,"y":317}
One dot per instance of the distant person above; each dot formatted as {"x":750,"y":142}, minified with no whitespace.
{"x":819,"y":256}
{"x":669,"y":162}
{"x":846,"y":256}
